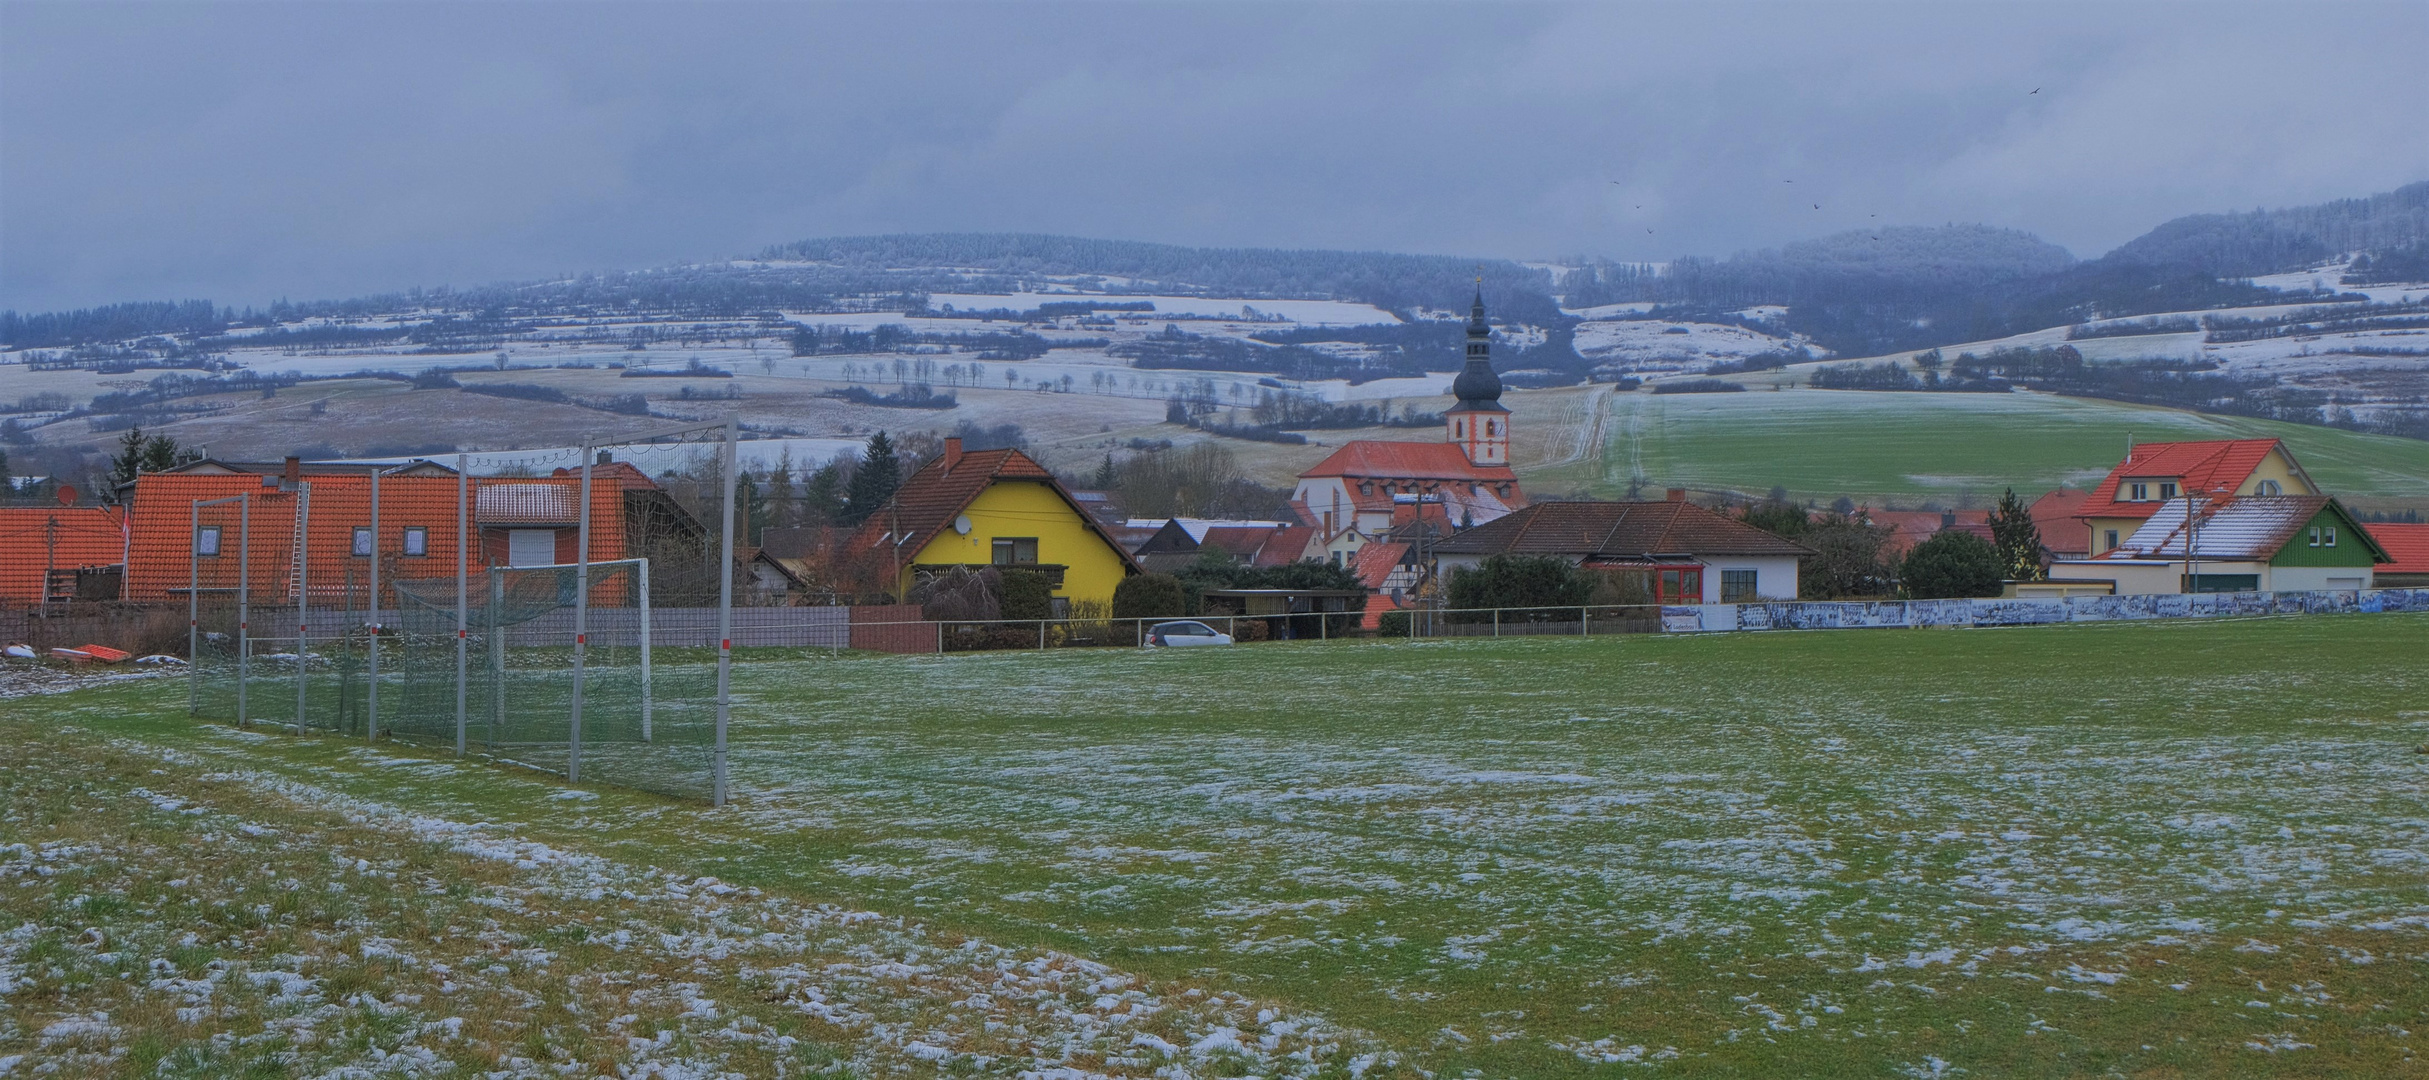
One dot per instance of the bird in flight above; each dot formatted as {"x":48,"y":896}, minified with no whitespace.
{"x":1817,"y":206}
{"x":2036,"y":90}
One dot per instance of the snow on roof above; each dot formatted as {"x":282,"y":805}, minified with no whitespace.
{"x":2253,"y":528}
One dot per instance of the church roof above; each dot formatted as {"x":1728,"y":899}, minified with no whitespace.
{"x":1379,"y":460}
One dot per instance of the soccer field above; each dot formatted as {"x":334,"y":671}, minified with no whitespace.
{"x":2181,"y":849}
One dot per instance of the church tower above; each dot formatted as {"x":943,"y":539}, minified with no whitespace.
{"x":1478,"y":425}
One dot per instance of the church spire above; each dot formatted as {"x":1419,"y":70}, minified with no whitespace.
{"x":1477,"y":385}
{"x":1478,"y":424}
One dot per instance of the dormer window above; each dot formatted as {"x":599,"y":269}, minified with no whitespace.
{"x":2138,"y":492}
{"x":2167,"y":490}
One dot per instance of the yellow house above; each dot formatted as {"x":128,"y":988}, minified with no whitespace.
{"x":2154,"y":473}
{"x":991,"y":508}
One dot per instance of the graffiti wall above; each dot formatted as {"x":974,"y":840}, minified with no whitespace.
{"x":1706,"y":618}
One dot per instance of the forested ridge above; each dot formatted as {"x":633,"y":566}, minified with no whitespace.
{"x":1862,"y":292}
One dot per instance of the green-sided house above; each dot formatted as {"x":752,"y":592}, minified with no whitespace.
{"x":2270,"y":543}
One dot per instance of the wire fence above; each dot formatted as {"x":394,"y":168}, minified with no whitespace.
{"x":548,"y":667}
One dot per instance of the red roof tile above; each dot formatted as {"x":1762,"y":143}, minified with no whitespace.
{"x":1616,"y":530}
{"x":931,"y":498}
{"x":2214,"y":466}
{"x":160,"y":515}
{"x":1374,"y":563}
{"x":2407,"y":544}
{"x":34,"y":539}
{"x":1287,"y":545}
{"x":2057,"y":515}
{"x":1911,"y":527}
{"x":1406,"y":461}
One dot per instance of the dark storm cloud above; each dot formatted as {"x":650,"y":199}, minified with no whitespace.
{"x":244,"y":152}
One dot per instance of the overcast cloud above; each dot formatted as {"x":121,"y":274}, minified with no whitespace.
{"x":245,"y":152}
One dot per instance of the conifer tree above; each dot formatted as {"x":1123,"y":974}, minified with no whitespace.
{"x":2017,"y":538}
{"x":822,"y":496}
{"x":874,"y":482}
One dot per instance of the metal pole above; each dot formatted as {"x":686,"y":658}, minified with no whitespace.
{"x":1581,"y":622}
{"x":1496,"y":622}
{"x":193,"y":608}
{"x":645,"y":687}
{"x":462,"y":563}
{"x":497,"y":659}
{"x":244,"y":600}
{"x":725,"y":600}
{"x":303,"y":591}
{"x":371,"y":702}
{"x":573,"y":746}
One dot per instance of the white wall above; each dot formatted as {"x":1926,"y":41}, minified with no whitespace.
{"x":1775,"y":575}
{"x":2313,"y":578}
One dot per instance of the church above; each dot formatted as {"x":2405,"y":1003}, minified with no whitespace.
{"x":1369,"y":486}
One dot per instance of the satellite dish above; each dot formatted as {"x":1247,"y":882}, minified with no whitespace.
{"x":961,"y":524}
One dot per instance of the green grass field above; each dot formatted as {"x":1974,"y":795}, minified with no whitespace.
{"x":2192,"y":849}
{"x":1912,"y":446}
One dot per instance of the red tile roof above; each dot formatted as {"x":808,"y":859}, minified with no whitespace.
{"x":1287,"y":545}
{"x":1616,"y":530}
{"x":1911,"y":527}
{"x":2214,"y":466}
{"x":931,"y":498}
{"x":2407,"y":544}
{"x":160,"y":515}
{"x":2057,"y":515}
{"x":1407,"y":461}
{"x":1374,"y":563}
{"x":34,"y":539}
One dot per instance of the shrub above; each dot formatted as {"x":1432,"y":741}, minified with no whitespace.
{"x":1025,"y":594}
{"x":1392,"y":624}
{"x":1150,"y":596}
{"x":1520,"y":581}
{"x":1952,"y":563}
{"x":1247,"y":629}
{"x":958,"y":594}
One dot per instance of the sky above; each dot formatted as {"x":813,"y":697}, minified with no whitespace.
{"x":246,"y":152}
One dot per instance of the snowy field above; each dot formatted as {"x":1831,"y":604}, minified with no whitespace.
{"x":2134,"y":849}
{"x":1660,"y":346}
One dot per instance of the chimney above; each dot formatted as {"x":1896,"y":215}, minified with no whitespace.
{"x":1678,"y":495}
{"x":607,"y":457}
{"x":295,"y":470}
{"x":1948,"y":519}
{"x":952,"y":453}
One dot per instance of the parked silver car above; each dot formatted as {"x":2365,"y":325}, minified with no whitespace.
{"x":1185,"y":633}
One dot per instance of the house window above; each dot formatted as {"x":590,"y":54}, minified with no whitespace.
{"x":1682,"y":586}
{"x":2167,"y":490}
{"x":1016,"y":551}
{"x":1737,"y":586}
{"x":417,"y":541}
{"x":206,"y":541}
{"x":2138,"y":492}
{"x":362,"y":542}
{"x":531,"y":547}
{"x":2271,"y":487}
{"x":2110,"y":540}
{"x":2328,"y":536}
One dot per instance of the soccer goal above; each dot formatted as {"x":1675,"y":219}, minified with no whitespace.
{"x":473,"y":644}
